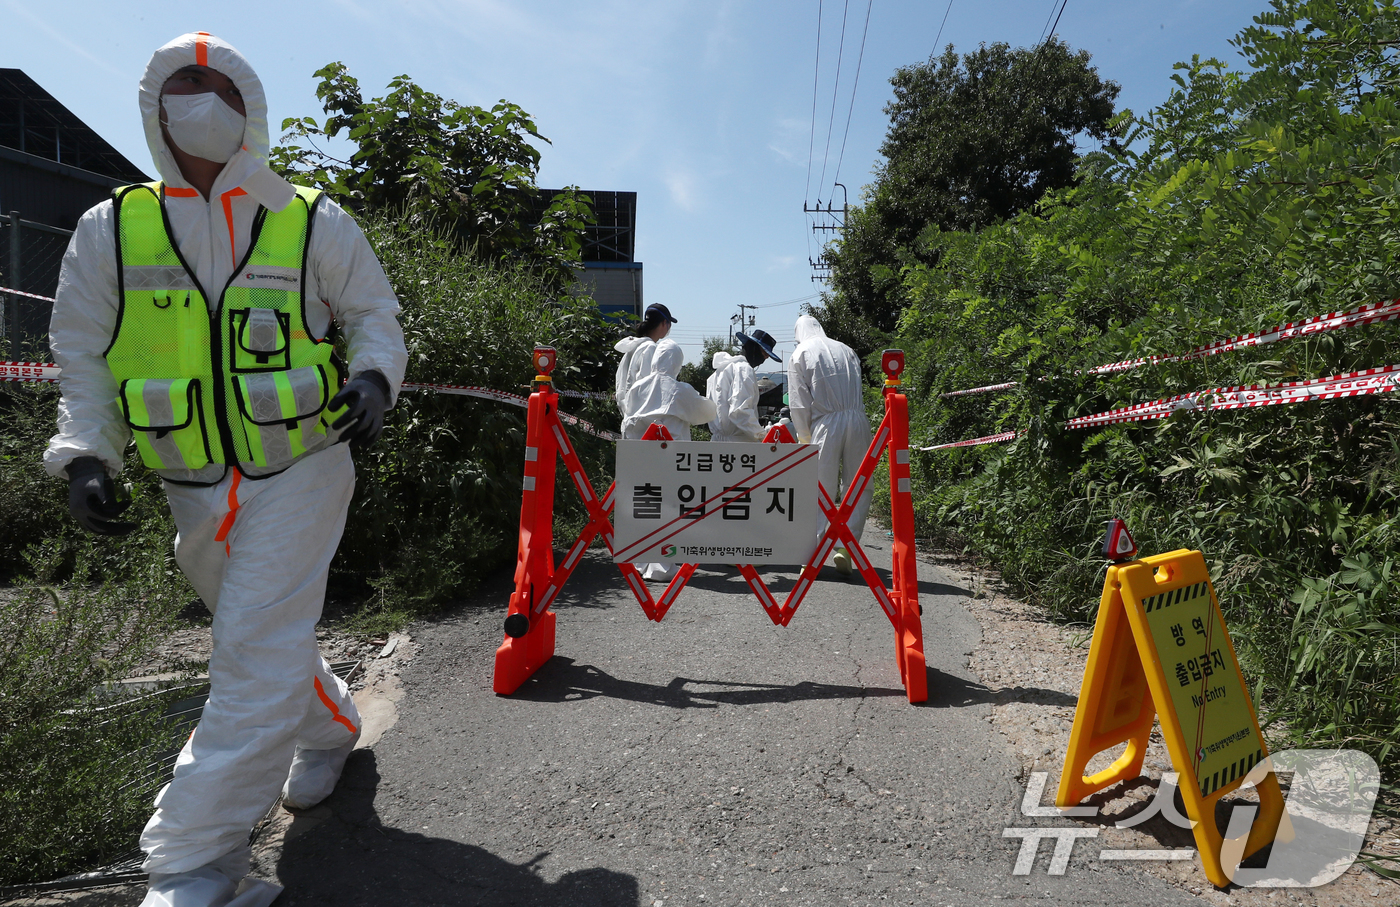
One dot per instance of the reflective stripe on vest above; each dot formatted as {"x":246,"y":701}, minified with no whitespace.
{"x":242,"y":382}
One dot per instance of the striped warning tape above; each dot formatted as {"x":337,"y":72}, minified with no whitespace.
{"x":973,"y":442}
{"x":29,"y":295}
{"x":487,"y":393}
{"x":1349,"y":384}
{"x":29,"y":371}
{"x":1245,"y":396}
{"x":48,"y":373}
{"x":1371,"y":313}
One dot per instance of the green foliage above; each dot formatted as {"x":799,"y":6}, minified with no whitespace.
{"x":75,"y":782}
{"x":972,"y":140}
{"x":1246,"y":200}
{"x":697,"y":373}
{"x":437,"y":499}
{"x":439,"y":162}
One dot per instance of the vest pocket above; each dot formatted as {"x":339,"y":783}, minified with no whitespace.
{"x":281,"y":412}
{"x":260,"y":340}
{"x":165,"y":418}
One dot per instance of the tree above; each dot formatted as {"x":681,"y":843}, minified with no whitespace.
{"x":697,"y":373}
{"x":435,"y":161}
{"x":972,"y":141}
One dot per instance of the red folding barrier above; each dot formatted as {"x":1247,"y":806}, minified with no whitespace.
{"x":529,"y":626}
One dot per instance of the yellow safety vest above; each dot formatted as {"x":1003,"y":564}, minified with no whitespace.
{"x":242,"y":382}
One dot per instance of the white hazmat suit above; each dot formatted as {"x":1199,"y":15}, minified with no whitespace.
{"x":658,"y":397}
{"x":636,"y":362}
{"x":257,"y":550}
{"x":824,"y":396}
{"x":733,"y":387}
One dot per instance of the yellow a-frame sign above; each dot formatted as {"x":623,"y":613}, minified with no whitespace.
{"x":1160,"y":649}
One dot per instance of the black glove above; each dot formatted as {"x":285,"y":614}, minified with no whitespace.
{"x":92,"y":498}
{"x":366,"y":398}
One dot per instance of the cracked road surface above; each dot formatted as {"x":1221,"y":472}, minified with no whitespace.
{"x":711,"y":759}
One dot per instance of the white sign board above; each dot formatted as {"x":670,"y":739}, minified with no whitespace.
{"x":692,"y":502}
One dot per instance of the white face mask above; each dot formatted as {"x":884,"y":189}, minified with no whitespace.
{"x":203,"y":125}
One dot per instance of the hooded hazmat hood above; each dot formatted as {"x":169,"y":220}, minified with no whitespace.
{"x":807,"y":328}
{"x":248,"y":167}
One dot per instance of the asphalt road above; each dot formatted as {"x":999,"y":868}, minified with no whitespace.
{"x":712,"y":759}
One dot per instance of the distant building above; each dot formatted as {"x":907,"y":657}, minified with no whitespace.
{"x":53,"y":167}
{"x":611,"y":274}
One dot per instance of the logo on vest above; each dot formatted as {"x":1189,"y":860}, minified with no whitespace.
{"x":251,"y":276}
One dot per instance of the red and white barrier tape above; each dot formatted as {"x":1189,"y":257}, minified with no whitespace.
{"x":982,"y":390}
{"x":29,"y":371}
{"x":973,"y":442}
{"x":47,"y":372}
{"x":1245,"y":396}
{"x":487,"y":393}
{"x":1349,"y":384}
{"x":22,"y":293}
{"x":1371,"y":313}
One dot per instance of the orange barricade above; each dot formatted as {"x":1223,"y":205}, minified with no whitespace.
{"x":529,"y":626}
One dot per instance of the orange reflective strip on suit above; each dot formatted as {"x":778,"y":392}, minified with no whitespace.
{"x":335,"y":712}
{"x":228,"y":216}
{"x":201,"y":48}
{"x":174,"y":192}
{"x":227,"y":524}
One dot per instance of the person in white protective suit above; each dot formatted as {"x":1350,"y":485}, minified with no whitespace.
{"x":733,"y":386}
{"x":637,"y":351}
{"x":824,"y":394}
{"x":659,"y":397}
{"x":241,"y":416}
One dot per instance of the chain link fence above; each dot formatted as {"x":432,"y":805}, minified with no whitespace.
{"x":30,"y":257}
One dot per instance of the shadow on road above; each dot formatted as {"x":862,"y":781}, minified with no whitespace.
{"x":352,"y":858}
{"x":948,"y":691}
{"x":563,"y":679}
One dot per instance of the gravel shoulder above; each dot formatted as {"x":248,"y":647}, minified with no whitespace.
{"x":1022,"y":655}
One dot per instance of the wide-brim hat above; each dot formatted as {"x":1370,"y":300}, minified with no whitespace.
{"x":763,"y":339}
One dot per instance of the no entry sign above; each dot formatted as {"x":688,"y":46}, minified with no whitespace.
{"x":693,"y":502}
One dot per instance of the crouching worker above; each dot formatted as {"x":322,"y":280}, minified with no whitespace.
{"x":660,"y":397}
{"x":195,"y":315}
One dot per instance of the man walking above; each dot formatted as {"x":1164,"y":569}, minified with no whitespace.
{"x":827,"y":410}
{"x":197,"y":314}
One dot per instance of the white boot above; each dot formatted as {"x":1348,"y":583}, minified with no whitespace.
{"x":314,"y":774}
{"x":207,"y":887}
{"x":660,"y":572}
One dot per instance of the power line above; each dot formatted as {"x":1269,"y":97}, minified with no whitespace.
{"x":1047,"y":22}
{"x":812,"y":135}
{"x":842,"y":156}
{"x":941,"y":24}
{"x":1057,"y":19}
{"x":774,"y":305}
{"x":835,"y":87}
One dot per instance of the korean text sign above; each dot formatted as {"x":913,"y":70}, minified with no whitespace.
{"x":694,"y":502}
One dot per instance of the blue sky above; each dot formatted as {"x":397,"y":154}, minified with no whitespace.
{"x":705,"y":109}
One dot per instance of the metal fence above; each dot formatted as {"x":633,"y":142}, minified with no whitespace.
{"x":30,"y":257}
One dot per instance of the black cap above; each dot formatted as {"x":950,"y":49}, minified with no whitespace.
{"x":763,"y":339}
{"x":661,"y":310}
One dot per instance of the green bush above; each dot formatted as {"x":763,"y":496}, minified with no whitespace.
{"x":76,"y":781}
{"x":1253,"y":199}
{"x":437,"y":501}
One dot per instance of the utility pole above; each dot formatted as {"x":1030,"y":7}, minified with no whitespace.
{"x":820,"y":265}
{"x":740,"y":321}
